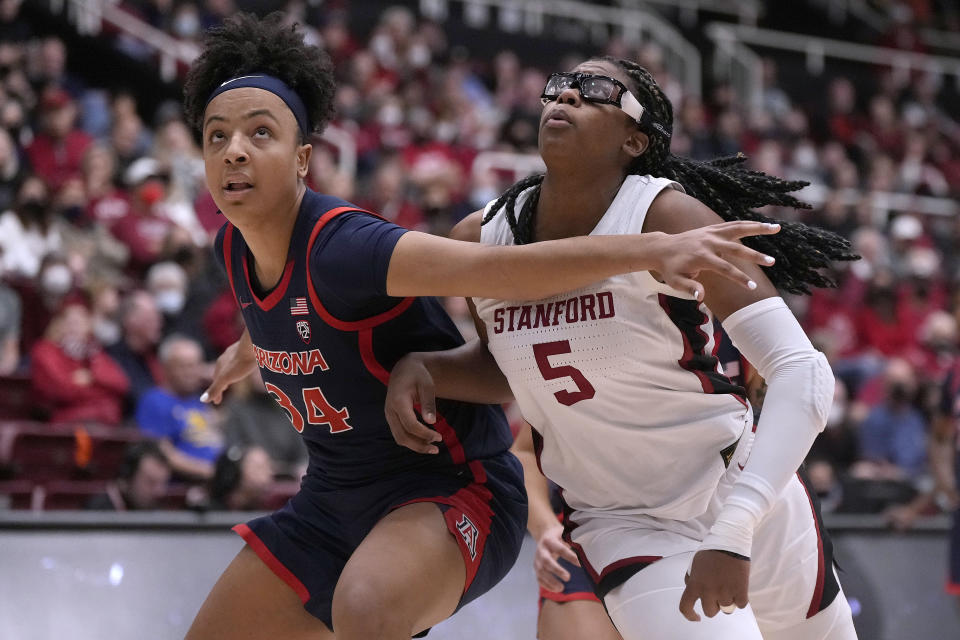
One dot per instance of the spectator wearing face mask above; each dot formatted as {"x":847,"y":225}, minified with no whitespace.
{"x":144,"y":229}
{"x":41,"y":298}
{"x":28,"y":231}
{"x":186,"y":22}
{"x":71,"y":375}
{"x":893,"y":437}
{"x":167,"y":283}
{"x":105,"y":312}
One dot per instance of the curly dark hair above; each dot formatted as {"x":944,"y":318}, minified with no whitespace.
{"x":724,"y":185}
{"x":246,"y":44}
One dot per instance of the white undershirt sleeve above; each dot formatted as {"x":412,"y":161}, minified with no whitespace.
{"x":799,"y":395}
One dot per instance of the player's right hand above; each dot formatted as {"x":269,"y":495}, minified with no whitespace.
{"x":550,"y":574}
{"x":233,"y":365}
{"x":718,"y":580}
{"x":410,"y":390}
{"x":712,"y":248}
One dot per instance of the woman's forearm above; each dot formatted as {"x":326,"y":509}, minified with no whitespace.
{"x":468,"y":373}
{"x":427,"y":265}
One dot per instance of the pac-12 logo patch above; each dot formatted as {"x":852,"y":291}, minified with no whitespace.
{"x":303,"y":328}
{"x":470,"y":534}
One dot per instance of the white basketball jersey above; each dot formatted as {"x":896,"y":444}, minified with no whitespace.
{"x":620,"y":380}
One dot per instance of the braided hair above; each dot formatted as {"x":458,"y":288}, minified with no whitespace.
{"x":725,"y":185}
{"x":245,"y":44}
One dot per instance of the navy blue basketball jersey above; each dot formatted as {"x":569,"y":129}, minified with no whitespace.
{"x":327,"y":335}
{"x":950,"y":406}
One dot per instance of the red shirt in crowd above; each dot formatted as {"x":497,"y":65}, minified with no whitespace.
{"x":57,"y":160}
{"x":89,"y":389}
{"x":891,"y":337}
{"x":144,"y":235}
{"x":222,"y":323}
{"x":106,"y":210}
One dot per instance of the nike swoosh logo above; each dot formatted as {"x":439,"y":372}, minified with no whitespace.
{"x":223,"y":84}
{"x":740,"y":465}
{"x":244,"y":305}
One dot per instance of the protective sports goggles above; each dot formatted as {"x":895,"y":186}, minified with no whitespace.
{"x":601,"y":90}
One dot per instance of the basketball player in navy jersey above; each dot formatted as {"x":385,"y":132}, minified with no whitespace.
{"x":380,"y":542}
{"x":677,"y":508}
{"x":945,"y":464}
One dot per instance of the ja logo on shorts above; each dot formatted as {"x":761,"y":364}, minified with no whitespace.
{"x":470,"y":534}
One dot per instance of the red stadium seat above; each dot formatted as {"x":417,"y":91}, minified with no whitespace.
{"x":39,"y":451}
{"x":176,"y":497}
{"x":19,"y":494}
{"x":70,"y":494}
{"x":17,"y":401}
{"x":109,"y":444}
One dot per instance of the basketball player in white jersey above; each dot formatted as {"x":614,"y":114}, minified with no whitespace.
{"x":568,"y":609}
{"x":676,"y":508}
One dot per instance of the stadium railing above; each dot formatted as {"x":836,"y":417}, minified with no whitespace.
{"x":514,"y":166}
{"x":91,"y":16}
{"x":839,"y":10}
{"x":746,"y":11}
{"x":730,"y":40}
{"x":635,"y":26}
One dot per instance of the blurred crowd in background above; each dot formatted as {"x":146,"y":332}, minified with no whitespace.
{"x":112,"y":309}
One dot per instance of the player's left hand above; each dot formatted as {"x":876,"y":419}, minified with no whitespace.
{"x":411,"y":390}
{"x":550,"y":548}
{"x":718,"y":580}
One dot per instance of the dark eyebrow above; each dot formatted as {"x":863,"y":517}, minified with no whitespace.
{"x":212,"y":118}
{"x":261,"y":112}
{"x":250,"y":114}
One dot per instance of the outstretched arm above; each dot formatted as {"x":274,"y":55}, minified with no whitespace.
{"x":426,"y":265}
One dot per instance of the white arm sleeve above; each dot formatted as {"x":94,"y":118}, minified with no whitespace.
{"x":799,"y":394}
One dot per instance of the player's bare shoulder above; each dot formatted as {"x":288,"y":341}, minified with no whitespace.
{"x":673,"y":211}
{"x":468,"y":229}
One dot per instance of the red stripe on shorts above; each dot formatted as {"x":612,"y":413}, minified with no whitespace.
{"x":271,"y":561}
{"x":468,"y":520}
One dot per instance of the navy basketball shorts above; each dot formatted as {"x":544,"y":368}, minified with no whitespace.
{"x":578,"y":587}
{"x":307,"y":543}
{"x":953,"y":578}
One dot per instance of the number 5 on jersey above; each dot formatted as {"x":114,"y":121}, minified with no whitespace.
{"x":542,"y":352}
{"x":319,"y":411}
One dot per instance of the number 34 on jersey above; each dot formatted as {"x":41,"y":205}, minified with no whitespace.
{"x":318,"y":410}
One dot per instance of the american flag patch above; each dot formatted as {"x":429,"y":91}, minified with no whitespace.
{"x":298,"y":307}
